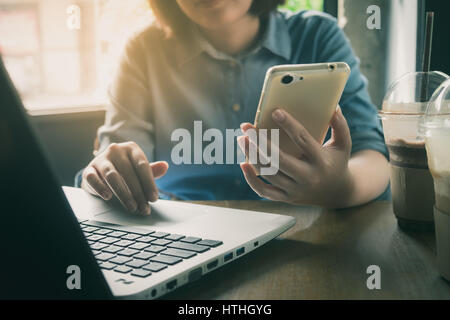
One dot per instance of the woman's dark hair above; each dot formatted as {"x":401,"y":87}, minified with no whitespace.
{"x":171,"y":19}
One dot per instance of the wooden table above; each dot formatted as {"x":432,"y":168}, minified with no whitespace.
{"x":325,"y":256}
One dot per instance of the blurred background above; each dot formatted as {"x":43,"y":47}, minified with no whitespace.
{"x":61,"y":55}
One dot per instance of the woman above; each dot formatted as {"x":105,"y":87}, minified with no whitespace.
{"x":205,"y":60}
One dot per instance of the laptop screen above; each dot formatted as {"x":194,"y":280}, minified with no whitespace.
{"x":39,"y":237}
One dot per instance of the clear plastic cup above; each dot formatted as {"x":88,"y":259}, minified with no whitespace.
{"x":402,"y":113}
{"x":435,"y":127}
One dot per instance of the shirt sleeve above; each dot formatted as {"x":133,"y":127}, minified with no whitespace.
{"x":129,"y":113}
{"x":356,"y":105}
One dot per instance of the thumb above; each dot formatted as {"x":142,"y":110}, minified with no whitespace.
{"x":159,"y":168}
{"x":340,"y":133}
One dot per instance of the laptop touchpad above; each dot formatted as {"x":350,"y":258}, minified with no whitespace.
{"x":161,"y":216}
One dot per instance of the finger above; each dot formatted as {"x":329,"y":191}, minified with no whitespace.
{"x":249,"y":149}
{"x":144,"y":173}
{"x":246,"y":125}
{"x":159,"y":168}
{"x":280,"y":180}
{"x":262,"y":189}
{"x":298,"y":134}
{"x":292,"y":167}
{"x":96,"y":184}
{"x":130,"y":176}
{"x":340,"y":132}
{"x":261,"y":142}
{"x":115,"y":182}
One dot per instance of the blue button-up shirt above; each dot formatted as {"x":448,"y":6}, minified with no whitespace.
{"x":166,"y":83}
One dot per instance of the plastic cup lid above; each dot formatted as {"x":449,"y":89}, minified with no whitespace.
{"x":410,"y":94}
{"x":437,"y":115}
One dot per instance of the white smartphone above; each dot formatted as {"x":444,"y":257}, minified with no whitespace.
{"x":309,"y":92}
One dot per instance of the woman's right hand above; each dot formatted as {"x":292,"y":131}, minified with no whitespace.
{"x":122,"y":170}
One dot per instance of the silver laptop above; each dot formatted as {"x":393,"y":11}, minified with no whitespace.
{"x":178,"y":243}
{"x":44,"y":234}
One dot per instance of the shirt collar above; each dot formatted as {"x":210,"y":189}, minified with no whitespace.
{"x":276,"y":39}
{"x":189,"y":44}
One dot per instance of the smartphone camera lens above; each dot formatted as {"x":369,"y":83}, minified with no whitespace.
{"x":287,"y":79}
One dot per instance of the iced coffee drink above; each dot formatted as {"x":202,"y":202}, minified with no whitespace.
{"x":412,"y":185}
{"x":438,"y":145}
{"x":436,"y":129}
{"x":437,"y":137}
{"x":411,"y":182}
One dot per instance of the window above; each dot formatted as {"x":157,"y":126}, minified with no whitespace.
{"x":295,"y":5}
{"x":62,"y":53}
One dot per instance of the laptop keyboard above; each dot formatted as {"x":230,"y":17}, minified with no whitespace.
{"x":140,"y":252}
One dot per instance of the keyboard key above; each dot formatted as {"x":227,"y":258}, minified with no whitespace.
{"x":141,"y":273}
{"x":89,"y":229}
{"x":122,"y":269}
{"x":188,"y":246}
{"x":210,"y":243}
{"x":174,"y":237}
{"x":98,"y":246}
{"x":91,"y":242}
{"x":179,"y":253}
{"x":109,"y":240}
{"x":161,"y":242}
{"x":137,"y":263}
{"x":107,"y":265}
{"x":117,"y":234}
{"x":139,"y":245}
{"x":166,"y":259}
{"x":191,"y":239}
{"x":87,"y":234}
{"x":120,"y":260}
{"x":103,"y":231}
{"x":131,"y":236}
{"x":117,"y":227}
{"x":95,"y":237}
{"x":154,"y":266}
{"x":155,"y":249}
{"x":112,"y":249}
{"x":123,"y":243}
{"x":160,"y":234}
{"x":146,"y":239}
{"x":144,"y":255}
{"x":127,"y":252}
{"x":104,"y":256}
{"x":95,"y":252}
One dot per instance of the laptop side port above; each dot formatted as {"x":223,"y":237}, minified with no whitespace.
{"x":212,"y":264}
{"x":256,"y":243}
{"x":171,"y":284}
{"x":240,"y":251}
{"x":195,"y":274}
{"x":228,"y":257}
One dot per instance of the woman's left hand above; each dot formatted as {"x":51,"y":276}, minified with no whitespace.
{"x":319,"y":177}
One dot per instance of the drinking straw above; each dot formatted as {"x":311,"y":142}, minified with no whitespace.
{"x":427,"y":54}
